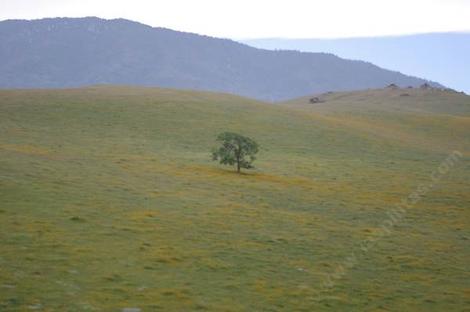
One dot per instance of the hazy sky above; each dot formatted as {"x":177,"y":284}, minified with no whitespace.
{"x":240,"y":19}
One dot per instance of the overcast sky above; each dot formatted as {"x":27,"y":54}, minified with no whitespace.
{"x":243,"y":19}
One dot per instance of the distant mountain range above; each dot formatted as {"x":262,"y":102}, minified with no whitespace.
{"x":72,"y":52}
{"x":438,"y":56}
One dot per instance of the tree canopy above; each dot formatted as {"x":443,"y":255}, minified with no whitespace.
{"x":235,"y":149}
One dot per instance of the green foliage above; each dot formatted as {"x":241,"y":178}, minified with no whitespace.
{"x":236,"y":150}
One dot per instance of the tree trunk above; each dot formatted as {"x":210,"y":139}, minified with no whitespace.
{"x":237,"y":153}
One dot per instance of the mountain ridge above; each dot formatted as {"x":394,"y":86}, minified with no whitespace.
{"x":74,"y":52}
{"x":436,"y":56}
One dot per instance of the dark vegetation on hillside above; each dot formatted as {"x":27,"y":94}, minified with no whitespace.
{"x":66,"y":52}
{"x":235,"y":150}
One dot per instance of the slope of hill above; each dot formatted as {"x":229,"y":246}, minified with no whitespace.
{"x":109,"y":200}
{"x":407,"y":115}
{"x":438,"y":56}
{"x":421,"y":101}
{"x":77,"y":52}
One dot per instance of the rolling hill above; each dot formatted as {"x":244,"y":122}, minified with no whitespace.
{"x":65,"y":52}
{"x":109,"y":200}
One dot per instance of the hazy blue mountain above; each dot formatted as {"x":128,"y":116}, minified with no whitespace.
{"x":65,"y":52}
{"x":444,"y":57}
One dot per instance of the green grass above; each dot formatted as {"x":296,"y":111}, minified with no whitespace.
{"x":108,"y":199}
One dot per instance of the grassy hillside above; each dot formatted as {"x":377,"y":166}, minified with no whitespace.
{"x":108,"y":200}
{"x":430,"y":119}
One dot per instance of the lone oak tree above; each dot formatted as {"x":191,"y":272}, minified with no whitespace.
{"x":236,"y":150}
